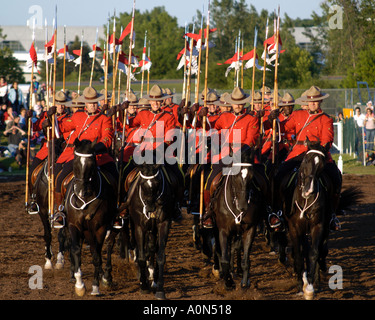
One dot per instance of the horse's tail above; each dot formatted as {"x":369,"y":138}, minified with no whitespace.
{"x":349,"y":197}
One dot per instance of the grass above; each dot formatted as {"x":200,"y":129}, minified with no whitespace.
{"x":351,"y":165}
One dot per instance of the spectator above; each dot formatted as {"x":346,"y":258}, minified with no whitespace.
{"x":359,"y":117}
{"x":21,"y":154}
{"x":16,"y":98}
{"x":35,"y":85}
{"x":3,"y":109}
{"x":43,"y":92}
{"x":340,"y":117}
{"x":369,"y":105}
{"x":9,"y":115}
{"x":23,"y":119}
{"x":369,"y":124}
{"x":3,"y":90}
{"x":15,"y":135}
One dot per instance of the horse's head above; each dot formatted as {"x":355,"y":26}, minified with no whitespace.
{"x":84,"y":167}
{"x":241,"y":180}
{"x":151,"y":185}
{"x":311,"y":167}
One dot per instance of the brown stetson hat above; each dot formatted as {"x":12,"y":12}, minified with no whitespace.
{"x":142,"y":103}
{"x":258,"y":98}
{"x":221,"y":102}
{"x":238,"y":96}
{"x":90,"y":95}
{"x":74,"y":103}
{"x":287,"y":100}
{"x":313,"y":94}
{"x":60,"y":98}
{"x":156,"y":94}
{"x":212,"y":96}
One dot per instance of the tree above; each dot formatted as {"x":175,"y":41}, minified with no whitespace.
{"x":9,"y":65}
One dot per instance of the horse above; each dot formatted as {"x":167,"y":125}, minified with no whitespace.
{"x":150,"y":210}
{"x":237,"y":207}
{"x":309,"y":217}
{"x":40,"y":190}
{"x":90,"y":207}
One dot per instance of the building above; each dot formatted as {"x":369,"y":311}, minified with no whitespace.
{"x":19,"y":39}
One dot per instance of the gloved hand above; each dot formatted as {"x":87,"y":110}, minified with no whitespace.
{"x":274,"y":114}
{"x":259,"y":114}
{"x":195,"y":107}
{"x":124,"y":105}
{"x":104,"y":107}
{"x":112,"y":111}
{"x":51,"y":111}
{"x":100,"y":148}
{"x":203,"y":112}
{"x":46,"y":123}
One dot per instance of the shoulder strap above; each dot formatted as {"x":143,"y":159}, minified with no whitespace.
{"x":93,"y":120}
{"x":311,"y":121}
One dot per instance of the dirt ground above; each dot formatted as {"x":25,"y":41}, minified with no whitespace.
{"x":187,"y":276}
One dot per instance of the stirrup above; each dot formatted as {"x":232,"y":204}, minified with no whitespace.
{"x":118,"y":225}
{"x":334,"y":224}
{"x":56,"y":216}
{"x":30,"y":211}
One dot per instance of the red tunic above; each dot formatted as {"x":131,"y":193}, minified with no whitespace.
{"x":87,"y":127}
{"x":302,"y":124}
{"x":246,"y":123}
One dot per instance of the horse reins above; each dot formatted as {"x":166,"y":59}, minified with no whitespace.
{"x":306,"y":207}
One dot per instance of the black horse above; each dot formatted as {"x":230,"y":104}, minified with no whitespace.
{"x":310,"y":215}
{"x":151,"y":208}
{"x":90,"y":205}
{"x":40,"y":189}
{"x":237,"y":207}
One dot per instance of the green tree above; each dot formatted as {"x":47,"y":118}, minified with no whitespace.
{"x":9,"y":65}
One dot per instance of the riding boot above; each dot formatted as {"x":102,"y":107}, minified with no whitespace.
{"x":207,"y":217}
{"x":122,"y":214}
{"x":58,"y":216}
{"x":33,"y":207}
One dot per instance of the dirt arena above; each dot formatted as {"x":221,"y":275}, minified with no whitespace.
{"x":187,"y":276}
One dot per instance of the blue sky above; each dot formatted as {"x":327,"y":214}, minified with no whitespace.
{"x":95,"y":12}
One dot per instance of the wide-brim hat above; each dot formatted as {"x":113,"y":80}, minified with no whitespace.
{"x":168,"y":91}
{"x":212,"y":96}
{"x":313,"y":94}
{"x":156,"y":94}
{"x":60,"y":98}
{"x":267,"y":90}
{"x":238,"y":96}
{"x":287,"y":100}
{"x":90,"y":95}
{"x":143,"y":103}
{"x":132,"y":98}
{"x":102,"y":92}
{"x":258,"y":98}
{"x":221,"y":102}
{"x":74,"y":103}
{"x":299,"y":100}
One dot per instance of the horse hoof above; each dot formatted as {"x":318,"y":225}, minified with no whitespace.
{"x":60,"y":261}
{"x":308,"y":292}
{"x":160,"y":295}
{"x":80,"y":291}
{"x":230,"y":286}
{"x":245,"y":285}
{"x":48,"y":265}
{"x":106,"y":282}
{"x":95,"y":291}
{"x":215,"y":272}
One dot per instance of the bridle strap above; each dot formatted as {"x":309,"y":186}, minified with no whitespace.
{"x":83,"y":155}
{"x":316,"y":151}
{"x":149,"y":177}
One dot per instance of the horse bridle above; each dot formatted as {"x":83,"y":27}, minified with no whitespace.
{"x":306,"y":207}
{"x":237,"y":218}
{"x":85,"y":204}
{"x":148,"y":215}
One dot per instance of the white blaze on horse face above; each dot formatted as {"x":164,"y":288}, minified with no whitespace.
{"x":82,"y":160}
{"x":149,"y":183}
{"x":244,"y":173}
{"x":316,"y":160}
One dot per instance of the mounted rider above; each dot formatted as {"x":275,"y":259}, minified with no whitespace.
{"x":315,"y":125}
{"x":90,"y":125}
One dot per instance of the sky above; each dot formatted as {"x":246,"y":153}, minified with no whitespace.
{"x":95,"y":12}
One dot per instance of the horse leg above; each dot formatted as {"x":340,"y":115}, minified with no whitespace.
{"x":297,"y":255}
{"x":96,"y":245}
{"x":163,"y":230}
{"x":141,"y":259}
{"x":47,"y":236}
{"x":247,"y":240}
{"x":62,"y":239}
{"x":107,"y":277}
{"x":225,"y":260}
{"x":75,"y":252}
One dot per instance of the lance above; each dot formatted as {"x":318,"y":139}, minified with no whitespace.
{"x":238,"y":56}
{"x":242,"y":64}
{"x":205,"y":105}
{"x":106,"y":64}
{"x":130,"y":52}
{"x":52,"y":149}
{"x":199,"y":63}
{"x":184,"y":56}
{"x":144,"y":60}
{"x":187,"y":98}
{"x":276,"y":91}
{"x":235,"y":69}
{"x":264,"y":77}
{"x":29,"y":122}
{"x":254,"y":59}
{"x":148,"y":70}
{"x":93,"y":59}
{"x":114,"y":59}
{"x":64,"y":58}
{"x":126,"y":110}
{"x":80,"y":65}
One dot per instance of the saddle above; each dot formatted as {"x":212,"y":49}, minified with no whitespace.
{"x":35,"y":173}
{"x":130,"y":178}
{"x":215,"y":183}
